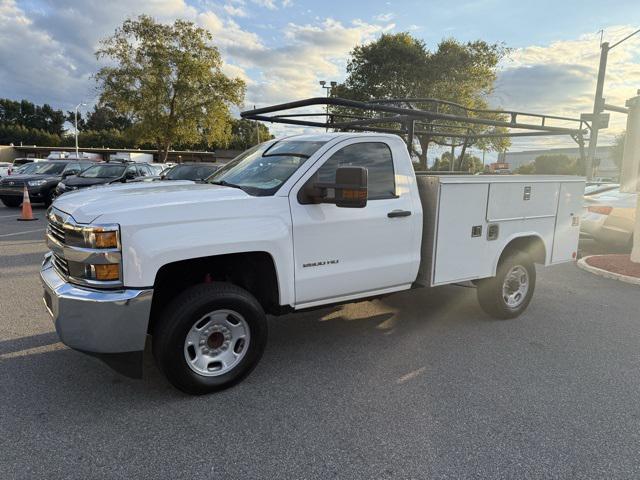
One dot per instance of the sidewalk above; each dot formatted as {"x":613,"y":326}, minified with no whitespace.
{"x":616,"y":266}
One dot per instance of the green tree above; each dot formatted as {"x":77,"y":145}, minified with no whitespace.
{"x":168,"y":80}
{"x":401,"y":66}
{"x":246,"y":133}
{"x":19,"y":134}
{"x":555,"y":164}
{"x":104,"y":117}
{"x":29,"y":115}
{"x":527,"y":169}
{"x":470,"y":163}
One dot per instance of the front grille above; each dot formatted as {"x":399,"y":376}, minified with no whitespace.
{"x":61,"y":264}
{"x":56,"y":230}
{"x":12,"y":183}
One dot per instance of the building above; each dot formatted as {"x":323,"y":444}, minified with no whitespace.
{"x":7,"y":153}
{"x":604,"y":155}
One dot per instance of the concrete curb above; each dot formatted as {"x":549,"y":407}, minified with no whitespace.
{"x":605,"y":273}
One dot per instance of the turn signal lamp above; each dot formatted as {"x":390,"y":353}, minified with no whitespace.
{"x":106,"y":272}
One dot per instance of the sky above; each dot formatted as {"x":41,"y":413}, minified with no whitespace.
{"x":282,"y":48}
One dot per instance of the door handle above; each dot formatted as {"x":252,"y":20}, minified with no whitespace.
{"x":398,"y":213}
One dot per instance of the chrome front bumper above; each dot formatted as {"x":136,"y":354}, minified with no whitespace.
{"x":109,"y":324}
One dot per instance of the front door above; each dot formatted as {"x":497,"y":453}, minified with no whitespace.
{"x":343,"y":252}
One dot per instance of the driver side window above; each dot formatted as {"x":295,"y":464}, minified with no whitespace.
{"x":375,"y":157}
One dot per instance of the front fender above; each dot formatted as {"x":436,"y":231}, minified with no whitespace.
{"x":149,"y":244}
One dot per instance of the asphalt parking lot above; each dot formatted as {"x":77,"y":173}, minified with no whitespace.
{"x":417,"y":385}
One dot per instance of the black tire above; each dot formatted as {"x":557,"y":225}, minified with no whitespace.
{"x":11,"y":201}
{"x":48,"y":198}
{"x":184,"y":312}
{"x":490,"y":290}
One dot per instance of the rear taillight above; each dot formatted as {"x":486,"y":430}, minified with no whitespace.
{"x":600,"y":209}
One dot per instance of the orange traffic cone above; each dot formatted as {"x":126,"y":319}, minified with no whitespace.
{"x":27,"y":214}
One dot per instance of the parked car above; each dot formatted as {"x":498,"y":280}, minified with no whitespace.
{"x":105,"y":173}
{"x":5,"y":169}
{"x":595,"y":188}
{"x":157,"y":168}
{"x":609,"y":218}
{"x":25,"y":168}
{"x":291,"y":224}
{"x":40,"y":183}
{"x":198,"y":172}
{"x":22,"y":161}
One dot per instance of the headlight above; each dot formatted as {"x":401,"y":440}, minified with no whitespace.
{"x":36,"y":183}
{"x":87,"y":254}
{"x":62,"y":186}
{"x":107,"y":236}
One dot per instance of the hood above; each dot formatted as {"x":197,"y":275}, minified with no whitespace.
{"x":31,"y":176}
{"x":75,"y":181}
{"x":86,"y":205}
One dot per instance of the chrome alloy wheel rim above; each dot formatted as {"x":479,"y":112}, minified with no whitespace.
{"x":515,"y":286}
{"x":217,"y":342}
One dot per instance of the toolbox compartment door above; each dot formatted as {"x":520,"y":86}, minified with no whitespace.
{"x":520,"y":201}
{"x":461,"y":250}
{"x":567,"y":231}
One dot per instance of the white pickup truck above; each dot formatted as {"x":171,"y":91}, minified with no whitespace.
{"x":291,"y":224}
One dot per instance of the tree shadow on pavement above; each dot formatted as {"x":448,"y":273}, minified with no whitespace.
{"x":26,"y":343}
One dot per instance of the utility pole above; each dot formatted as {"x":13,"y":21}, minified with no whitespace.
{"x":598,"y":102}
{"x":328,"y":88}
{"x":598,"y":108}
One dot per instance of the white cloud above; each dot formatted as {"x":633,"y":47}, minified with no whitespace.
{"x":560,"y":78}
{"x":235,"y":11}
{"x":270,"y":4}
{"x":48,"y":55}
{"x":384,"y":17}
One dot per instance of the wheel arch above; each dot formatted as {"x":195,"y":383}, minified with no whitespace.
{"x":531,"y":243}
{"x":255,"y":271}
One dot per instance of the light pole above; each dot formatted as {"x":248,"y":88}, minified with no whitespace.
{"x":598,"y":102}
{"x":81,"y":104}
{"x":328,"y":88}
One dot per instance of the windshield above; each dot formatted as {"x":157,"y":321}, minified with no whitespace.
{"x":103,"y":171}
{"x":190,"y":172}
{"x":263,"y":169}
{"x":26,"y":168}
{"x":50,"y":168}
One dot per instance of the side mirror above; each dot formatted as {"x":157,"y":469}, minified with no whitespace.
{"x":351,"y":187}
{"x":69,"y":173}
{"x":129,"y":176}
{"x":349,"y":191}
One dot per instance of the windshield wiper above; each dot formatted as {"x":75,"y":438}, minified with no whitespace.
{"x":224,"y":183}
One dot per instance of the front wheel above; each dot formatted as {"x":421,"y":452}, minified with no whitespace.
{"x":210,"y":337}
{"x":11,"y":201}
{"x":508,"y":294}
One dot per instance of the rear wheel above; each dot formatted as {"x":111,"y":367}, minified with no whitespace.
{"x":48,"y":198}
{"x":508,"y":294}
{"x":210,"y":337}
{"x":11,"y":201}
